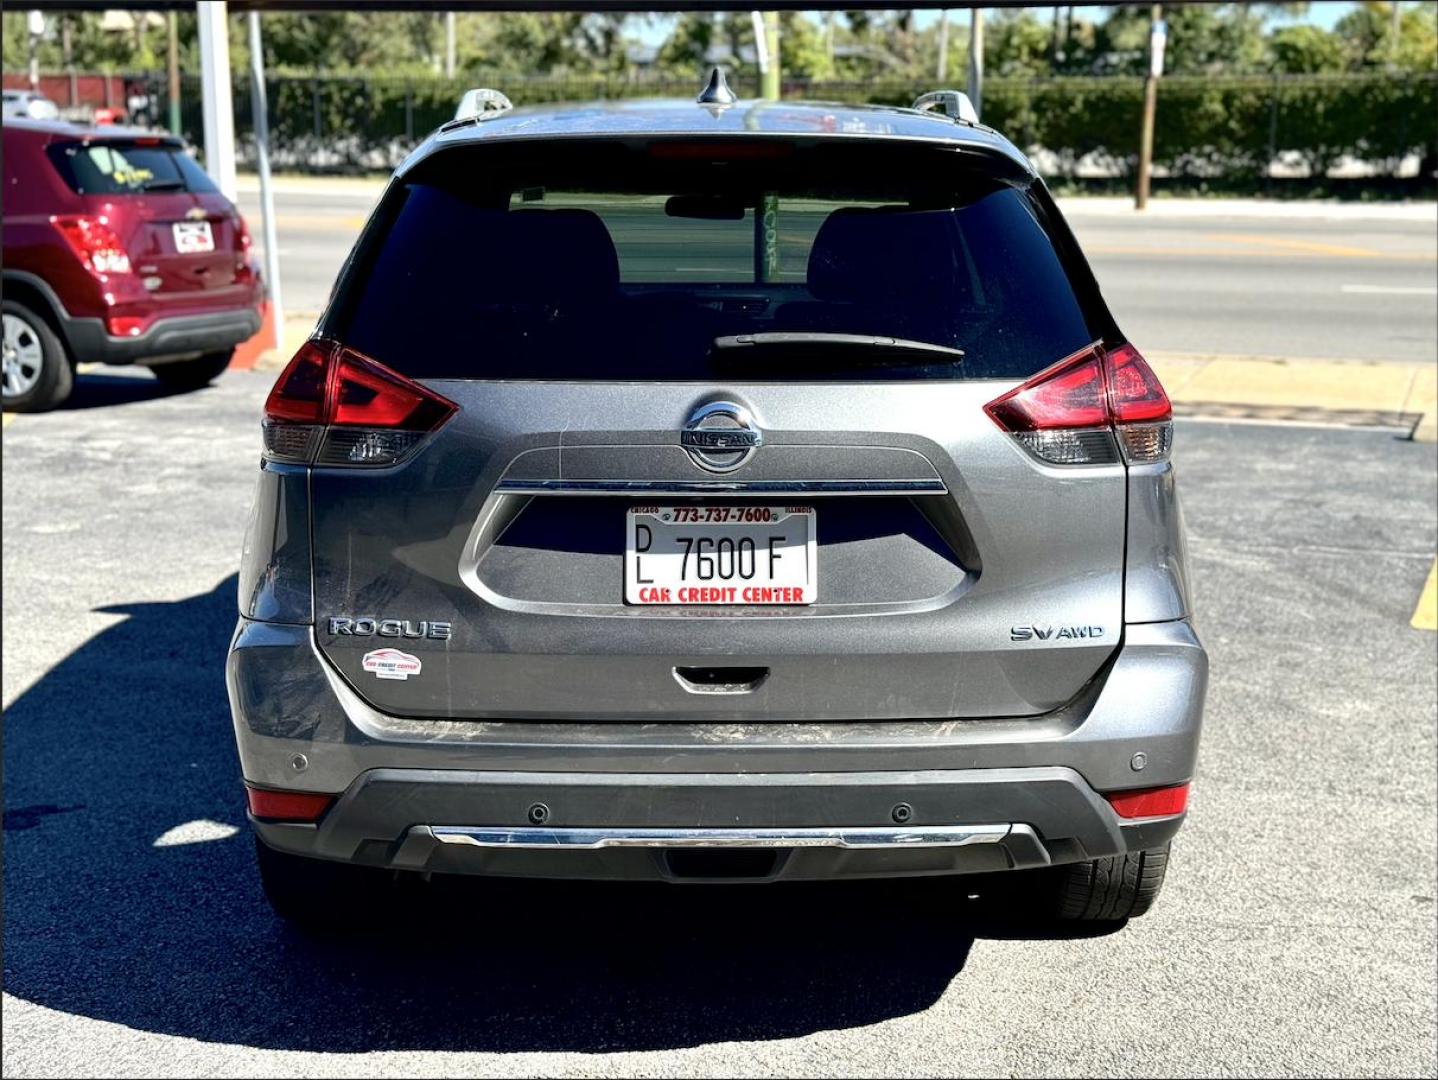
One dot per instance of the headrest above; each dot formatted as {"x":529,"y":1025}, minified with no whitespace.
{"x":513,"y":256}
{"x":887,"y":252}
{"x":549,"y":252}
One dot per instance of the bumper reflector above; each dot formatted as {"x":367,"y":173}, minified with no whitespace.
{"x":1151,"y":802}
{"x":298,"y":806}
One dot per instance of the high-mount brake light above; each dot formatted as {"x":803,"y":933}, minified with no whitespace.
{"x":1089,"y":408}
{"x":720,"y":149}
{"x":334,"y":406}
{"x":92,"y":239}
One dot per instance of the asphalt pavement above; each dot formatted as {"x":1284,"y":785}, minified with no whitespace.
{"x":1296,"y":934}
{"x":1360,"y":284}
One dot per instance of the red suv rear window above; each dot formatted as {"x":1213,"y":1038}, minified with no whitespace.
{"x":120,"y":168}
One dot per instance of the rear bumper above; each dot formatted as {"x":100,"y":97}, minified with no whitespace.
{"x":661,"y":827}
{"x":619,"y":800}
{"x":170,"y":339}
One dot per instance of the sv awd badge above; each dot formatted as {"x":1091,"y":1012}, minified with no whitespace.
{"x":1053,"y":633}
{"x":392,"y":628}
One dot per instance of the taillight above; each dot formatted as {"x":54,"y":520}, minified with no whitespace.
{"x":92,"y":239}
{"x":1089,"y":406}
{"x":244,"y":272}
{"x":1150,"y":802}
{"x":333,"y":406}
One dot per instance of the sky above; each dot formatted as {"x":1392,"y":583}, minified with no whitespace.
{"x":1322,"y":13}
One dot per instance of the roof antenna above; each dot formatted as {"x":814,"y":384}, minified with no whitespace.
{"x":717,"y":92}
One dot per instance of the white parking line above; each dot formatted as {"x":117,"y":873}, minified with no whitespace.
{"x":1390,"y":290}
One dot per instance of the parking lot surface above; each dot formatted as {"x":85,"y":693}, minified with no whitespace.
{"x":1296,"y":933}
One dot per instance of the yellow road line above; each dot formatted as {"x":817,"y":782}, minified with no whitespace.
{"x":1306,"y":247}
{"x":1425,"y":615}
{"x":9,"y":419}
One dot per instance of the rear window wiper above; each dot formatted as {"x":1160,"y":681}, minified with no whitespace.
{"x":863,"y":348}
{"x":160,"y":184}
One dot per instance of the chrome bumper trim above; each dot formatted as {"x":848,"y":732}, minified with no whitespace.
{"x":721,"y":487}
{"x":851,"y":838}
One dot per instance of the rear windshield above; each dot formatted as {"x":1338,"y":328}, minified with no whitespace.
{"x":676,"y":263}
{"x":114,"y":168}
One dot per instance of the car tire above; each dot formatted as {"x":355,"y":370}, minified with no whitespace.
{"x":1110,"y":890}
{"x":193,"y":374}
{"x":39,"y":368}
{"x":319,"y":895}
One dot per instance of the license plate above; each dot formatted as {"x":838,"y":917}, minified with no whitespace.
{"x":705,"y":555}
{"x":193,"y":237}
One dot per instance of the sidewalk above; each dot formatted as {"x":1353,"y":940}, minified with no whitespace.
{"x":1352,"y":393}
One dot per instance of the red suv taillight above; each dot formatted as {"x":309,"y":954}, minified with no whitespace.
{"x":1089,"y":406}
{"x":244,"y":270}
{"x":92,"y":239}
{"x":333,"y":406}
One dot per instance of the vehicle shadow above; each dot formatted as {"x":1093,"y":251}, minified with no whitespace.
{"x":103,"y":391}
{"x":129,"y":738}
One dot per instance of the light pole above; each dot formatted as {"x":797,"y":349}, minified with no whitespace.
{"x":976,"y":59}
{"x":1157,"y":40}
{"x":174,"y":61}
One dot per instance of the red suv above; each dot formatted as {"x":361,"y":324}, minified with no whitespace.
{"x":118,"y":250}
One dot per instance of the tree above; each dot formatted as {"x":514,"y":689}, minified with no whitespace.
{"x":1306,"y":50}
{"x":802,"y":52}
{"x":1366,"y":33}
{"x":1017,"y":44}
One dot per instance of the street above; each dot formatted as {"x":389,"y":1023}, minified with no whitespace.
{"x":1355,"y":286}
{"x":1296,"y":933}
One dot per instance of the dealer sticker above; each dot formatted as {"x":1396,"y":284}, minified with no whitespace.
{"x":392,"y":664}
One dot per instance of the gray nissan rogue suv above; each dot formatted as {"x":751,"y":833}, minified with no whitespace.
{"x":717,"y":491}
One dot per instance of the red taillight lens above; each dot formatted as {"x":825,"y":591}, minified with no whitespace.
{"x":333,"y":406}
{"x":1135,"y":394}
{"x":1151,"y":802}
{"x":92,"y":239}
{"x":1070,"y":394}
{"x":294,"y":806}
{"x":298,"y":396}
{"x":1086,"y":407}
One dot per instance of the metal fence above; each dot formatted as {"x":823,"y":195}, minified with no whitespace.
{"x":1240,"y":127}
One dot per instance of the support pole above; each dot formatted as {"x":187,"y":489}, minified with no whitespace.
{"x":174,"y":62}
{"x":35,"y":24}
{"x":976,"y":59}
{"x":769,"y":50}
{"x":259,"y":107}
{"x":449,"y":44}
{"x":215,"y":95}
{"x":942,"y":72}
{"x":1157,"y":39}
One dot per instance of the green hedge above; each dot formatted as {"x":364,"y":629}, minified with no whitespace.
{"x":1207,"y":127}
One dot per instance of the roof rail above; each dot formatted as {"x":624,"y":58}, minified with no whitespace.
{"x":480,"y":101}
{"x":955,"y":103}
